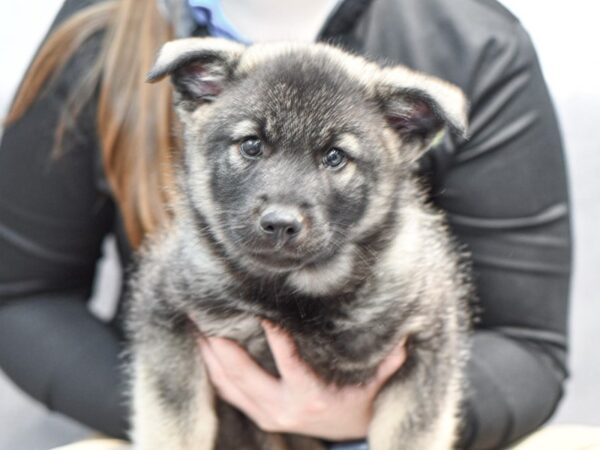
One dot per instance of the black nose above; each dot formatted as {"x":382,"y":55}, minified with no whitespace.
{"x":281,"y":224}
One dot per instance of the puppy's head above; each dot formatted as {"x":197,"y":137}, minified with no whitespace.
{"x":294,"y":153}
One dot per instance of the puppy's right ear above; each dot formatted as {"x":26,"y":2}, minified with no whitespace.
{"x":199,"y":67}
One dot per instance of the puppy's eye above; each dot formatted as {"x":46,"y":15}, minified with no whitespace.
{"x":335,"y":159}
{"x":251,"y":148}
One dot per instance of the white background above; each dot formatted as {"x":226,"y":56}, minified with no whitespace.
{"x":567,"y":37}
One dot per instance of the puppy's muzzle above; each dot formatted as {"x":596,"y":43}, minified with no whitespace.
{"x":281,"y":224}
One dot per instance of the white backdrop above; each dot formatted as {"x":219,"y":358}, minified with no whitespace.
{"x":567,"y":37}
{"x":565,"y":33}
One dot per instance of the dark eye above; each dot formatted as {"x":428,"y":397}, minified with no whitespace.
{"x":335,"y":158}
{"x":251,"y":148}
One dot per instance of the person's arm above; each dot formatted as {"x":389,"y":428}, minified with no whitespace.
{"x":507,"y":200}
{"x":53,"y":218}
{"x":505,"y":192}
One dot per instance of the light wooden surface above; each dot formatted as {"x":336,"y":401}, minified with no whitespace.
{"x":97,"y":444}
{"x":562,"y":437}
{"x":558,"y":437}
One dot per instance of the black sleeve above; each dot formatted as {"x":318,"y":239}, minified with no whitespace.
{"x":506,"y":196}
{"x":53,"y":218}
{"x":505,"y":193}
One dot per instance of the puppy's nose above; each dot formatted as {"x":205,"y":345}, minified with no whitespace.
{"x":281,"y":224}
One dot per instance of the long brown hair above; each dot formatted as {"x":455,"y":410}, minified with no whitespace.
{"x":134,"y":119}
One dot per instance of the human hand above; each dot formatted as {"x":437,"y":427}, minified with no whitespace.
{"x":299,"y":401}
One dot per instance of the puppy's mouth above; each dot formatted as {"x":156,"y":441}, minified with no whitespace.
{"x":278,"y":260}
{"x":281,"y":261}
{"x":285,"y":255}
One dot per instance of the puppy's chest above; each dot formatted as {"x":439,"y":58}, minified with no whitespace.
{"x":240,"y":320}
{"x":329,"y":338}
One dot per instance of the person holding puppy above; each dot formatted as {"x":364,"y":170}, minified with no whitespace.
{"x":96,"y":145}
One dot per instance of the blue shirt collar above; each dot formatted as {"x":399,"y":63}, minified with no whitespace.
{"x":209,"y":13}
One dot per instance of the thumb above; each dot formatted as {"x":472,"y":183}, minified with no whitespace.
{"x":390,"y":365}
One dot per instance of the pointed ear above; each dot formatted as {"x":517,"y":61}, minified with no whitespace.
{"x":420,"y":107}
{"x":199,"y":67}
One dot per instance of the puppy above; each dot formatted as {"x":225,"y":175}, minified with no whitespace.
{"x":298,"y":203}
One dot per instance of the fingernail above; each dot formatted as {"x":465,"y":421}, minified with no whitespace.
{"x":215,"y":341}
{"x":207,"y":343}
{"x":202,"y":346}
{"x":398,"y":358}
{"x":267,"y":325}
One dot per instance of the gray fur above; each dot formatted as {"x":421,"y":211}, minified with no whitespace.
{"x":373,"y":261}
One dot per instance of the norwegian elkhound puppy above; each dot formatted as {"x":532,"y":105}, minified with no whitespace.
{"x":298,"y":203}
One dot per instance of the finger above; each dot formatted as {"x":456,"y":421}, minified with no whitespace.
{"x":390,"y":365}
{"x":242,"y":370}
{"x":226,"y":389}
{"x":261,"y":411}
{"x":283,"y":348}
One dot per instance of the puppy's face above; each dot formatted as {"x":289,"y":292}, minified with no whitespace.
{"x":294,"y":153}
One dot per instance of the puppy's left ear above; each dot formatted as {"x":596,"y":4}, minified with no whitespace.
{"x":421,"y":108}
{"x":200,"y":68}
